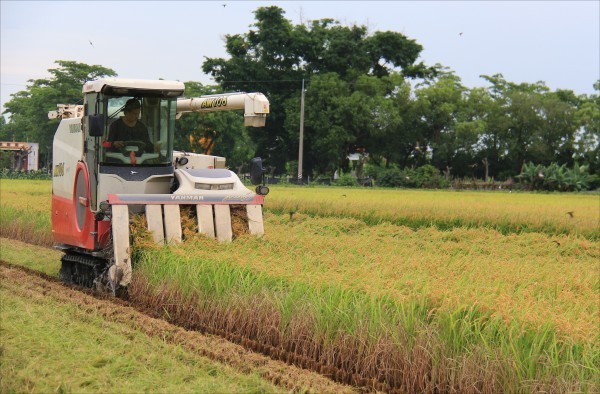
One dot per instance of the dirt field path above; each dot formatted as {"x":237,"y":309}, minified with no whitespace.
{"x":31,"y":285}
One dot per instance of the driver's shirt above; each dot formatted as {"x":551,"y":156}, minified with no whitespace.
{"x":119,"y":131}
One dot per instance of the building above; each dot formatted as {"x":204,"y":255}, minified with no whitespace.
{"x":26,"y":154}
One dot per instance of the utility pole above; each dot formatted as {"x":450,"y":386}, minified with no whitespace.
{"x":301,"y":143}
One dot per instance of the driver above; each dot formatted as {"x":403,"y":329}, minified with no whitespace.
{"x":128,"y":128}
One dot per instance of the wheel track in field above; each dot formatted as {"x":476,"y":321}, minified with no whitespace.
{"x":31,"y":284}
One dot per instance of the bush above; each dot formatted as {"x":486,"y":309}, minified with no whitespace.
{"x":33,"y":175}
{"x":346,"y":180}
{"x":390,"y":178}
{"x":426,"y":176}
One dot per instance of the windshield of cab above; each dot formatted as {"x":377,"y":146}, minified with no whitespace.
{"x":139,"y":131}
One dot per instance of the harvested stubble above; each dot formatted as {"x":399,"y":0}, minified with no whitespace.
{"x":239,"y":220}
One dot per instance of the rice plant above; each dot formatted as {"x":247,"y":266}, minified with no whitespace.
{"x":575,"y":214}
{"x":362,"y":335}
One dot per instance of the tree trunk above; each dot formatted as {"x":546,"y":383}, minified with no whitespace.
{"x":487,"y":168}
{"x":19,"y":156}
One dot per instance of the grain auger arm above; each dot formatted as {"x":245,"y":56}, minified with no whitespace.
{"x":255,"y":106}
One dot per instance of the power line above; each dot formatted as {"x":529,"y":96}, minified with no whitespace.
{"x":269,"y":80}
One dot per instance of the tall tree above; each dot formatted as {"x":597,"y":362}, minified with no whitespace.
{"x":327,"y":137}
{"x":394,"y":133}
{"x":438,"y":107}
{"x":530,"y":123}
{"x":28,"y":109}
{"x":276,"y":55}
{"x":556,"y":138}
{"x":587,"y":138}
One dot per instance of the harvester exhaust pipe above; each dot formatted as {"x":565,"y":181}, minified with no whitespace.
{"x":257,"y":176}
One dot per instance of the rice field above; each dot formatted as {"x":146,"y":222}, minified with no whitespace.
{"x":392,"y":289}
{"x":506,"y":212}
{"x":25,"y":210}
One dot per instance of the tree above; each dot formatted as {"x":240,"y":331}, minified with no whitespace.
{"x":442,"y":120}
{"x":587,"y":138}
{"x":28,"y":109}
{"x":276,"y":55}
{"x":529,"y":123}
{"x":390,"y":135}
{"x":327,"y":138}
{"x":556,"y":138}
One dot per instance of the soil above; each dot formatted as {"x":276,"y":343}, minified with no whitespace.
{"x":34,"y":284}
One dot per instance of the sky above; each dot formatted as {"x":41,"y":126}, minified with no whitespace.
{"x":557,"y":42}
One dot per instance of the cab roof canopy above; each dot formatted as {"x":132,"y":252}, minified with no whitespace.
{"x":135,"y":87}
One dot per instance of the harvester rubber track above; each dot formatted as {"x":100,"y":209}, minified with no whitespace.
{"x":82,"y":270}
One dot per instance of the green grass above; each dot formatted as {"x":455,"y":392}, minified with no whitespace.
{"x":31,"y":256}
{"x":50,"y":346}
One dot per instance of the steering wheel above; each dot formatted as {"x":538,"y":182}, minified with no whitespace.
{"x":139,"y":144}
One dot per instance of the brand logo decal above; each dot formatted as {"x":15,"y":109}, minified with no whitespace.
{"x":214,"y":102}
{"x":187,"y":198}
{"x":239,"y":197}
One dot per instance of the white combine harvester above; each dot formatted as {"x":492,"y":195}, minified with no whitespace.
{"x":96,"y":186}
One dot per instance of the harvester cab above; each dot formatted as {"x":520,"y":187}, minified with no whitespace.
{"x":114,"y":157}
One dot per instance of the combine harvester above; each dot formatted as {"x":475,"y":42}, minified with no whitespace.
{"x":98,"y":184}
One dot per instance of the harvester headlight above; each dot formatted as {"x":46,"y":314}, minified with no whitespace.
{"x":208,"y":186}
{"x":203,"y":186}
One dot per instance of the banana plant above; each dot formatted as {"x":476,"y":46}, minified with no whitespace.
{"x":556,"y":177}
{"x":532,"y":175}
{"x":578,"y":178}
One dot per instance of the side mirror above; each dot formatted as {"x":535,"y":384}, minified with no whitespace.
{"x":256,"y":171}
{"x":96,"y":125}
